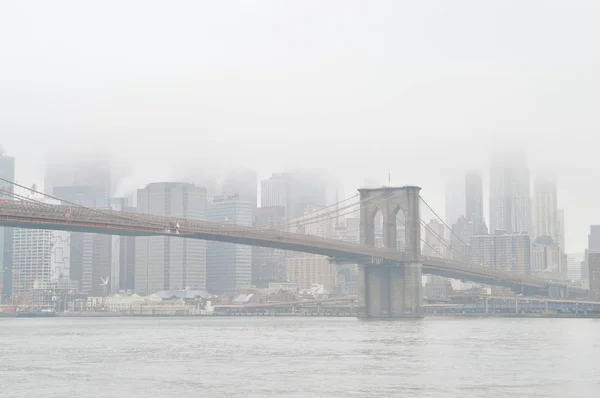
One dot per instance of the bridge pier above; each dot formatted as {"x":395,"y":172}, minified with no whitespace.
{"x":388,"y":290}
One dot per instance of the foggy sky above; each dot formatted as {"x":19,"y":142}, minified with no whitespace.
{"x":421,"y":90}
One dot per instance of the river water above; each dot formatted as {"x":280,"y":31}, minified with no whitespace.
{"x":299,"y":357}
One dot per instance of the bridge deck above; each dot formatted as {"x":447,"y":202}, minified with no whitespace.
{"x":81,"y":219}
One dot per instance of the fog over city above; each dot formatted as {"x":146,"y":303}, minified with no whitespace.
{"x":276,"y":198}
{"x":421,"y":90}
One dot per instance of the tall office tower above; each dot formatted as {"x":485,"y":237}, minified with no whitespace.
{"x":585,"y":270}
{"x":295,"y":190}
{"x":228,"y":266}
{"x":594,"y":270}
{"x":165,"y":262}
{"x":87,"y":183}
{"x":123,"y":253}
{"x":593,"y":262}
{"x":38,"y":256}
{"x":275,"y":192}
{"x":7,"y":172}
{"x":504,"y":252}
{"x":561,"y":233}
{"x":510,"y":199}
{"x":594,"y":239}
{"x":435,"y":243}
{"x":455,"y":204}
{"x":574,"y":266}
{"x":241,"y":182}
{"x":268,"y":265}
{"x":545,"y":206}
{"x":307,"y":188}
{"x":474,"y":202}
{"x":459,"y":239}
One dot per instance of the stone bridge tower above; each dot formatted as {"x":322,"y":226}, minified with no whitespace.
{"x":385,"y":289}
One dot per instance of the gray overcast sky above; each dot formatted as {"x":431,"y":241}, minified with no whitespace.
{"x":421,"y":89}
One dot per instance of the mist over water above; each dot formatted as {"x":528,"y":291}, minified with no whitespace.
{"x":299,"y":357}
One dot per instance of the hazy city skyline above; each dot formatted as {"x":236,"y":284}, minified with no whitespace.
{"x":366,"y":91}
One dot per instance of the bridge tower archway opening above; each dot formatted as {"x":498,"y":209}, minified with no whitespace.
{"x":377,"y":237}
{"x":400,"y":229}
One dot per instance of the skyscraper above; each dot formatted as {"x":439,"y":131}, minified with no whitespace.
{"x":7,"y":172}
{"x":594,"y":270}
{"x":593,"y":263}
{"x":275,"y":192}
{"x":455,"y":203}
{"x":38,"y":256}
{"x":574,"y":266}
{"x":307,"y":188}
{"x":594,"y":239}
{"x":123,"y":253}
{"x":228,"y":266}
{"x":510,"y":199}
{"x":164,"y":262}
{"x":461,"y":233}
{"x":561,"y":230}
{"x":268,"y":265}
{"x":546,"y":210}
{"x":86,"y":183}
{"x":474,"y":202}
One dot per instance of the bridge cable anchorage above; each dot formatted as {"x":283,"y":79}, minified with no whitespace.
{"x":480,"y":255}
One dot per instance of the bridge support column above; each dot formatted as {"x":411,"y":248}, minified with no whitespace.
{"x":391,"y":290}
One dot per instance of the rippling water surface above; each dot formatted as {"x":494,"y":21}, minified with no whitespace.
{"x":298,"y":357}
